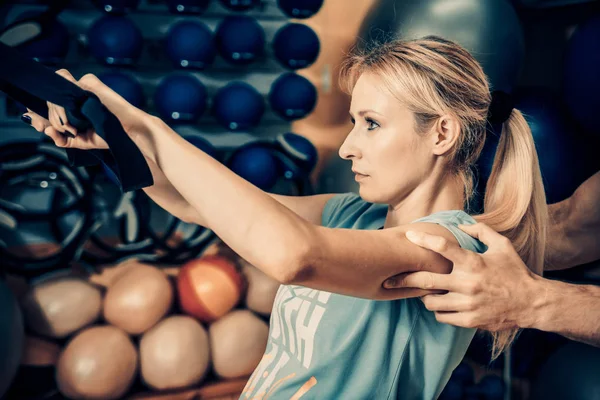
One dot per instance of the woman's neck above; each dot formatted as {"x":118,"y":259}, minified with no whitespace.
{"x":429,"y":197}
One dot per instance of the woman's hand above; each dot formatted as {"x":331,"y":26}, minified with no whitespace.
{"x":57,"y":126}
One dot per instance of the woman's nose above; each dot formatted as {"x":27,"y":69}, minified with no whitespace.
{"x":348,"y":149}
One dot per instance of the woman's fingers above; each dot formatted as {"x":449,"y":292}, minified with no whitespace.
{"x":60,"y":139}
{"x":38,"y":122}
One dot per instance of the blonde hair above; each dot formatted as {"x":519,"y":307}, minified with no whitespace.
{"x":433,"y":76}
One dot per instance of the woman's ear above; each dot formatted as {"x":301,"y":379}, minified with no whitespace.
{"x":445,"y":134}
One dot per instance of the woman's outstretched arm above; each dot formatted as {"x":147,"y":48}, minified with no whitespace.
{"x":263,"y":231}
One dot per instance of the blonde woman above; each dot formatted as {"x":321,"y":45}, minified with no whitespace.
{"x":419,"y":110}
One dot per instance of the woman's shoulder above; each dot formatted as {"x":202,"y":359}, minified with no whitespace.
{"x":450,"y":219}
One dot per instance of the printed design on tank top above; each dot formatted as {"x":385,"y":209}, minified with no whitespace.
{"x":295,"y":320}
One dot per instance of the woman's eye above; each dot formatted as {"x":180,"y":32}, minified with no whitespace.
{"x":352,"y":120}
{"x":372,"y":124}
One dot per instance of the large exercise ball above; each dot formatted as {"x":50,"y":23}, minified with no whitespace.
{"x":240,"y":39}
{"x":190,"y":44}
{"x":582,"y":76}
{"x":292,"y":96}
{"x":115,"y":40}
{"x":98,"y":363}
{"x":296,"y":46}
{"x":238,"y":106}
{"x":573,"y":373}
{"x":558,"y":145}
{"x":489,"y":29}
{"x":180,"y":98}
{"x":11,"y":337}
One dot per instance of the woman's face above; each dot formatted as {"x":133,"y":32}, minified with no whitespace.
{"x":390,"y":158}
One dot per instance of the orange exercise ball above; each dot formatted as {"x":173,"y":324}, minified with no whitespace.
{"x":209,"y":287}
{"x":175,"y":353}
{"x":139,"y":298}
{"x":238,"y":342}
{"x":99,"y":363}
{"x":58,"y":307}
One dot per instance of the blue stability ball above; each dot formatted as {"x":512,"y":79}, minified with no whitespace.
{"x":238,"y":106}
{"x":180,"y":98}
{"x":203,"y":145}
{"x":51,"y":47}
{"x":292,"y":96}
{"x":582,"y":74}
{"x":240,"y":5}
{"x":296,"y":46}
{"x":301,"y":150}
{"x":255,"y":164}
{"x":190,"y":44}
{"x":115,"y":40}
{"x":240,"y":39}
{"x":187,"y":6}
{"x":117,"y":6}
{"x":489,"y":29}
{"x":126,"y":86}
{"x":556,"y":143}
{"x":300,"y":8}
{"x":11,"y":337}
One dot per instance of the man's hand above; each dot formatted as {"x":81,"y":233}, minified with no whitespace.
{"x":489,"y":291}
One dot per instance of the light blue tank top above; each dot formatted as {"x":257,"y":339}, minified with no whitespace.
{"x":329,"y":346}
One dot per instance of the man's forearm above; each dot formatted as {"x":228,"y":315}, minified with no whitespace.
{"x":574,"y":236}
{"x":567,"y":309}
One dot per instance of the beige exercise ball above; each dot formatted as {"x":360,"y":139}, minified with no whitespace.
{"x":138,"y":299}
{"x":261,"y":290}
{"x":175,"y":353}
{"x":61,"y":306}
{"x":99,"y":363}
{"x":238,"y":342}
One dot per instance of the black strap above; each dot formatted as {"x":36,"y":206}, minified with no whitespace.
{"x":32,"y":84}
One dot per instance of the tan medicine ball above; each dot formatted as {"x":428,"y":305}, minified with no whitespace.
{"x":59,"y":307}
{"x":175,"y":353}
{"x":138,"y":299}
{"x":99,"y":363}
{"x":261,"y":291}
{"x":238,"y":342}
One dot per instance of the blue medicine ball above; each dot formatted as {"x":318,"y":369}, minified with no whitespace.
{"x":51,"y":46}
{"x":256,"y":164}
{"x":180,"y":98}
{"x":582,"y":75}
{"x":240,"y":39}
{"x":296,"y":46}
{"x":292,"y":96}
{"x":126,"y":86}
{"x":115,"y":40}
{"x":117,"y":6}
{"x":300,"y":8}
{"x":300,"y":150}
{"x":240,"y":5}
{"x":187,"y":6}
{"x":12,"y":335}
{"x":202,"y":144}
{"x":238,"y":106}
{"x":190,"y":44}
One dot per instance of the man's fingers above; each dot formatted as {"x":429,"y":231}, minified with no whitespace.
{"x":447,"y":302}
{"x":485,"y":234}
{"x":462,"y":319}
{"x":421,"y":280}
{"x":441,"y":245}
